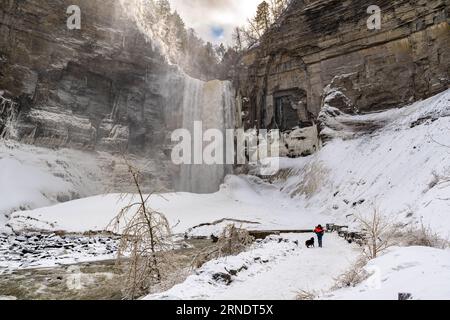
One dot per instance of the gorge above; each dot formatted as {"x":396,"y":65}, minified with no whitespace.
{"x":121,"y":83}
{"x":87,"y":123}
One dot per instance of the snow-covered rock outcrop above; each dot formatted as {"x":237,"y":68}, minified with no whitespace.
{"x":418,"y":271}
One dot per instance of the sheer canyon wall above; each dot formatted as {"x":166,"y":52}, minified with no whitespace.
{"x":318,"y":43}
{"x":113,"y":86}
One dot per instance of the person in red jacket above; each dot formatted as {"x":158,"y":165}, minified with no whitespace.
{"x":319,"y":231}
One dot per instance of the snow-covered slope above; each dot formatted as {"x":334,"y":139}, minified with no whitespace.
{"x":403,"y":168}
{"x":422,"y":272}
{"x":23,"y":186}
{"x":33,"y":177}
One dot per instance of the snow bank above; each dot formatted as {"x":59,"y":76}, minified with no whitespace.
{"x":25,"y":186}
{"x":45,"y":251}
{"x":33,"y":177}
{"x":422,"y":272}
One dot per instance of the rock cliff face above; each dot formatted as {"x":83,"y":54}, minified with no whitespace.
{"x":105,"y":87}
{"x":326,"y":43}
{"x":101,"y":87}
{"x":115,"y":85}
{"x":112,"y":86}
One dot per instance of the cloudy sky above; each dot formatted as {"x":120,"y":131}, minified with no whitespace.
{"x":214,"y":20}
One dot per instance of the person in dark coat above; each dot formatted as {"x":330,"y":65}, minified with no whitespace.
{"x":319,"y":231}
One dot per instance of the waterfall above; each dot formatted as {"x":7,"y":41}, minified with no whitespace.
{"x":212,"y":103}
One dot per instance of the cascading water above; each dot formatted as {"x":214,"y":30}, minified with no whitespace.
{"x":211,"y":103}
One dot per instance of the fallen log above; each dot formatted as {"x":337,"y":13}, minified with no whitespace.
{"x":262,"y":234}
{"x":224,"y":220}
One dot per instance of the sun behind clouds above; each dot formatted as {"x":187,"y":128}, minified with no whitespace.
{"x":214,"y":20}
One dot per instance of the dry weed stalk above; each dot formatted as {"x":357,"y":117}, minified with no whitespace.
{"x":307,"y":295}
{"x":353,"y":276}
{"x":380,"y":232}
{"x":424,"y":237}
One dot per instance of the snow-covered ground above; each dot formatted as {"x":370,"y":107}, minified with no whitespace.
{"x":19,"y":191}
{"x":31,"y":251}
{"x":422,"y":272}
{"x":277,"y":268}
{"x":260,"y":205}
{"x":33,"y":177}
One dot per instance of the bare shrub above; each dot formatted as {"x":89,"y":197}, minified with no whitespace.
{"x":282,"y":175}
{"x":380,"y":233}
{"x":423,"y":236}
{"x":307,"y":295}
{"x":314,"y":176}
{"x":232,"y":241}
{"x":144,"y":244}
{"x":355,"y":275}
{"x":438,"y":179}
{"x":434,"y":181}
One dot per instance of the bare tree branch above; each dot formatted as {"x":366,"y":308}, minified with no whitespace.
{"x":145,"y":240}
{"x":380,"y":232}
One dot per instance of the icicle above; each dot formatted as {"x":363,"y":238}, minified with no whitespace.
{"x":8,"y":118}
